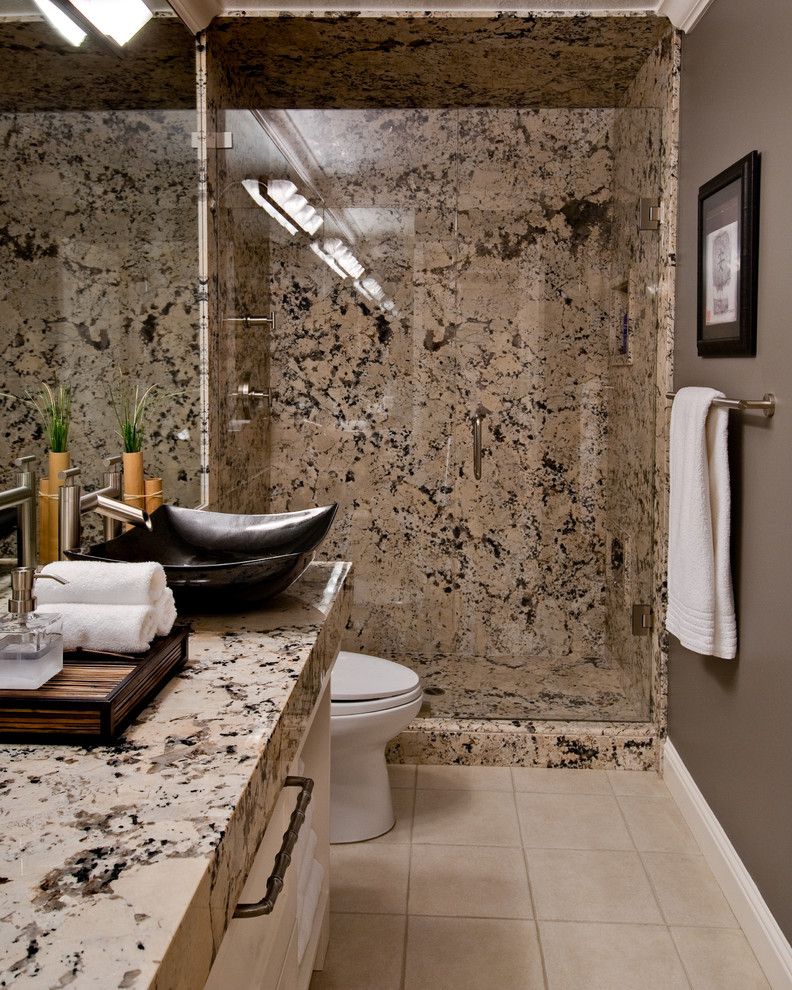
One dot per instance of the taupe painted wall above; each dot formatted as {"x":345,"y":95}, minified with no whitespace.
{"x":732,"y":720}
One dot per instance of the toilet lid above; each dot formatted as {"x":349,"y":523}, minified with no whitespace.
{"x":358,"y":677}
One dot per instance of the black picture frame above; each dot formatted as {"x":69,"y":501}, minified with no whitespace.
{"x":728,"y":261}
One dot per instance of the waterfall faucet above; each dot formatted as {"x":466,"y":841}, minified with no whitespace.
{"x":106,"y":501}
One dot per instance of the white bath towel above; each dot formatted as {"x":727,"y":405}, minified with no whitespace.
{"x":100,"y":583}
{"x":306,"y":909}
{"x":114,"y":628}
{"x":165,"y":609}
{"x":700,"y":597}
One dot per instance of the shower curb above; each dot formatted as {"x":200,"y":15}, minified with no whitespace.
{"x":540,"y":743}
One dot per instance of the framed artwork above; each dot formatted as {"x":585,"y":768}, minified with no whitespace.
{"x":728,"y":255}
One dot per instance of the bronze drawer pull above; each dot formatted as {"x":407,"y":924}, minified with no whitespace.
{"x":276,"y":879}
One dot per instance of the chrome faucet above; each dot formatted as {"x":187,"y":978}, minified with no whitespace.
{"x":23,"y":496}
{"x":106,"y":501}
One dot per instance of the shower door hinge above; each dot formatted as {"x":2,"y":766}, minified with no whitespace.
{"x":215,"y":139}
{"x":650,"y":213}
{"x":641,"y":620}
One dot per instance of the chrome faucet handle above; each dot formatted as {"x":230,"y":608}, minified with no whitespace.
{"x":113,"y":463}
{"x":22,"y":462}
{"x":70,"y":475}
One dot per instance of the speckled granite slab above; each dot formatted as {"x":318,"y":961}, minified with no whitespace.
{"x":120,"y":865}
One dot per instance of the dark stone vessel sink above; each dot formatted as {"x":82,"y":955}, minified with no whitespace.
{"x":217,"y":560}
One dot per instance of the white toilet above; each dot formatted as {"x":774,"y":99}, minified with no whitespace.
{"x":372,"y":700}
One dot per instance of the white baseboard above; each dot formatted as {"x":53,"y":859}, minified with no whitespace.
{"x":761,"y":929}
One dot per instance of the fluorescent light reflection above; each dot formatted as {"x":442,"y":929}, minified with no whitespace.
{"x":253,"y":187}
{"x":327,"y":259}
{"x":118,"y":19}
{"x":342,"y":255}
{"x":285,"y":194}
{"x":63,"y":24}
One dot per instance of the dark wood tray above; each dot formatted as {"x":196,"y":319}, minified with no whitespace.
{"x":95,"y":696}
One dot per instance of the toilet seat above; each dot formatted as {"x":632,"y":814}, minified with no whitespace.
{"x":367,"y":705}
{"x":357,"y":676}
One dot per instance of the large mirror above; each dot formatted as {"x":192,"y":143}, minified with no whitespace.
{"x":99,"y":242}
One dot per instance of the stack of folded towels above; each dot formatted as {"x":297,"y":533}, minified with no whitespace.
{"x":112,"y":607}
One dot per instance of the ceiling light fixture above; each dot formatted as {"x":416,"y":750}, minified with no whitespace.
{"x":120,"y":21}
{"x":253,"y":187}
{"x":62,"y":23}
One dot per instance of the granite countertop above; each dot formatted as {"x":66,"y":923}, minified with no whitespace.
{"x":120,"y":865}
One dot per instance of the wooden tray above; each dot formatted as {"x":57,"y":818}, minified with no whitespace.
{"x":94,"y":697}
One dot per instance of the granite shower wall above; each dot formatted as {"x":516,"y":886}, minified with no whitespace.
{"x":239,"y":261}
{"x":99,"y":263}
{"x":492,"y":231}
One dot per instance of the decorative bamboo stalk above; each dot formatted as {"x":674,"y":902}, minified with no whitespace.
{"x":134,"y":484}
{"x":153,"y":494}
{"x":58,"y":461}
{"x":43,"y":522}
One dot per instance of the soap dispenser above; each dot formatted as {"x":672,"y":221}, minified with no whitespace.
{"x":31,"y":645}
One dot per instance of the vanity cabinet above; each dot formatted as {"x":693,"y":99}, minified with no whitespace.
{"x":264,"y":953}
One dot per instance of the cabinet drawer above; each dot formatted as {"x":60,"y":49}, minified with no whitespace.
{"x":253,"y":950}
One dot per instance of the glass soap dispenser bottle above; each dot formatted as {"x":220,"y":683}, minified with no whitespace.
{"x":31,"y":645}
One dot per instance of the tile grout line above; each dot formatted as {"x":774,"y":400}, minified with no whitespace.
{"x":403,"y":980}
{"x":545,"y":978}
{"x":651,"y":886}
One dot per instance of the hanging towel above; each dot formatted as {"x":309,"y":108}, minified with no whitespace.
{"x":700,"y":598}
{"x":100,"y":583}
{"x":111,"y":628}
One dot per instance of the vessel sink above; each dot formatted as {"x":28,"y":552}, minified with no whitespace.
{"x":220,"y":560}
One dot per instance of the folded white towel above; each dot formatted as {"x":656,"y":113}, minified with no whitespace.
{"x":100,"y":583}
{"x":114,"y":628}
{"x":700,"y":597}
{"x":306,"y":911}
{"x":165,"y":609}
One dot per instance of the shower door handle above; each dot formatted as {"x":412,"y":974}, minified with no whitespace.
{"x":477,"y":424}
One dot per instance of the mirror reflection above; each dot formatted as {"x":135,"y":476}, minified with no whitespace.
{"x":99,"y":246}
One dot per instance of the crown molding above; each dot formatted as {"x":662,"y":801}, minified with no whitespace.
{"x":683,"y":14}
{"x":197,"y":14}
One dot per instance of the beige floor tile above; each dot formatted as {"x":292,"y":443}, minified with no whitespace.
{"x":656,"y":825}
{"x":401,"y":774}
{"x":479,"y":818}
{"x":564,"y":781}
{"x":591,"y":885}
{"x":403,"y":804}
{"x":470,"y":881}
{"x":366,"y":950}
{"x":472,"y":954}
{"x":610,"y":957}
{"x":643,"y":783}
{"x":719,"y":960}
{"x":369,"y":877}
{"x":465,"y":778}
{"x":571,"y":821}
{"x":687,"y":891}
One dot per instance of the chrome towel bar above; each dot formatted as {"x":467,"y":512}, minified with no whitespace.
{"x":766,"y":404}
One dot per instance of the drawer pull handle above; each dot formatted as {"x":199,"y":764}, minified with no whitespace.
{"x":276,"y":879}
